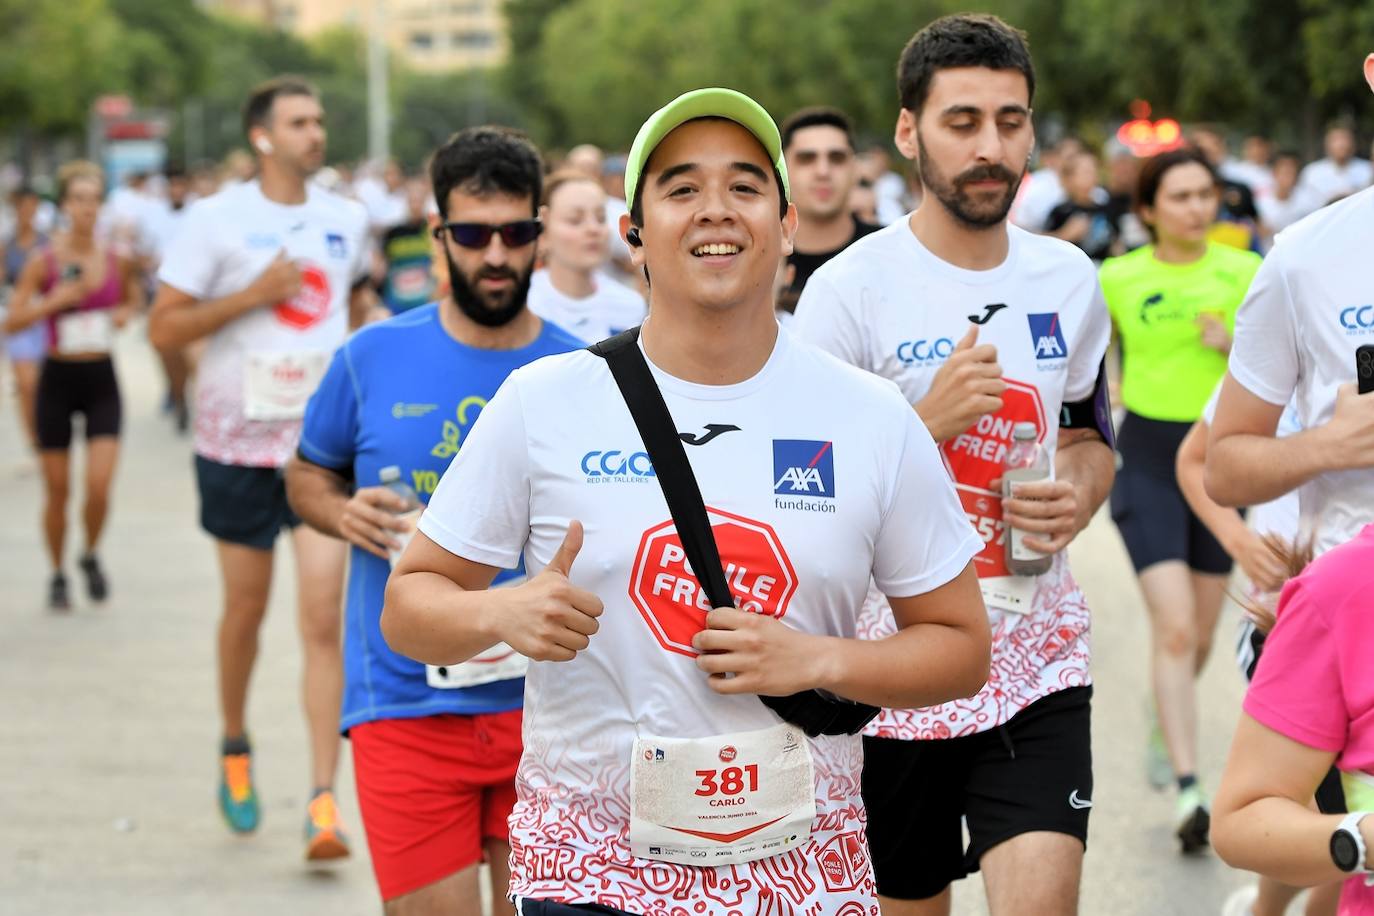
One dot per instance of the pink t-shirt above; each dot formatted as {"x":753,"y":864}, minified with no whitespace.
{"x":1315,"y":682}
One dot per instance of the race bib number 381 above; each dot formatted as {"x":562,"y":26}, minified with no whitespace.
{"x":723,"y":799}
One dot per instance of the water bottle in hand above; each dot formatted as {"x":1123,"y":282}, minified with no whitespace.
{"x":1027,"y":461}
{"x":391,"y":479}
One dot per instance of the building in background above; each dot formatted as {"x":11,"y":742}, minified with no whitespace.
{"x":429,"y":35}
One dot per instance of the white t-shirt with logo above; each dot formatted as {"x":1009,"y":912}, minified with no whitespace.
{"x":888,"y":305}
{"x":223,"y":244}
{"x":1308,"y":310}
{"x":817,"y":479}
{"x":608,"y":311}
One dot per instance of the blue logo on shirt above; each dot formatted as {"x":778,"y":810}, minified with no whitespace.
{"x":336,"y":245}
{"x":803,"y":467}
{"x":1357,"y":319}
{"x":1047,"y":337}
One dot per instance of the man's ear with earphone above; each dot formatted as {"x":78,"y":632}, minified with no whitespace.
{"x":632,"y":238}
{"x":263,"y":145}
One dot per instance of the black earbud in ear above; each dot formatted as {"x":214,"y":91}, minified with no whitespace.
{"x":633,"y":238}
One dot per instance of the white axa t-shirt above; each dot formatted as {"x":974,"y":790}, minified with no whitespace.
{"x":1308,"y":310}
{"x":888,"y":305}
{"x":223,"y":244}
{"x":608,"y":311}
{"x":818,"y":479}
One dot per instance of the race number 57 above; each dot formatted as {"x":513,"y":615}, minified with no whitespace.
{"x":729,"y":781}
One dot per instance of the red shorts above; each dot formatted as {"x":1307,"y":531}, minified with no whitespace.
{"x":431,"y":790}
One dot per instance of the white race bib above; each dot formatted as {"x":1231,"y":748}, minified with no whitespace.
{"x":499,"y":663}
{"x":1013,"y":594}
{"x":85,"y":332}
{"x":276,"y":386}
{"x":721,"y":800}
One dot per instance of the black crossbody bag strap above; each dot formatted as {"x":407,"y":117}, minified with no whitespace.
{"x":811,"y":711}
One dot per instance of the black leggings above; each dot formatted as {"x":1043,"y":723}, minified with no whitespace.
{"x":67,"y":387}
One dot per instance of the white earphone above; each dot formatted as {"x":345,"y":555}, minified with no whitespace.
{"x":264,"y":146}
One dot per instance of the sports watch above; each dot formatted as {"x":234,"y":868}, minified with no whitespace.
{"x":1347,"y":845}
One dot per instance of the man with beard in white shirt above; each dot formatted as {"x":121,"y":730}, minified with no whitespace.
{"x":270,"y":271}
{"x":985,"y":327}
{"x":657,"y":774}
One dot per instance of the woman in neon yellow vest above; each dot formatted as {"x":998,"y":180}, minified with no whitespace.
{"x":1173,"y":304}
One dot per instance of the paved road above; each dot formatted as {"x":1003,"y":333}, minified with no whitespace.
{"x":108,"y":736}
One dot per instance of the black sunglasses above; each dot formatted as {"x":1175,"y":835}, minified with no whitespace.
{"x":478,"y":235}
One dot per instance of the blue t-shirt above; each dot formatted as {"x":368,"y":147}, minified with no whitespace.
{"x":403,"y":392}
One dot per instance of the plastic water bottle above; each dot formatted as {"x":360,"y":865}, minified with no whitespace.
{"x":1026,"y":461}
{"x":391,"y":479}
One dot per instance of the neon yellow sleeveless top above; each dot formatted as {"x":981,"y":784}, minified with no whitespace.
{"x":1166,"y":371}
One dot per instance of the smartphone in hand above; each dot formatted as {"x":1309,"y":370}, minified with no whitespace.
{"x":1364,"y":368}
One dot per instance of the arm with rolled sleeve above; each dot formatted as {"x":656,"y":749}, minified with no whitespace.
{"x":1246,"y":463}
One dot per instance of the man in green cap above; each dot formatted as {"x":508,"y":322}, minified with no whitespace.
{"x":654,"y":778}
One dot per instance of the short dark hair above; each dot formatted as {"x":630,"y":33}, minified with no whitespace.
{"x":816,"y":116}
{"x":258,"y":108}
{"x":487,"y":160}
{"x":637,"y":205}
{"x":174,"y":171}
{"x":964,"y":40}
{"x":1157,"y":166}
{"x":1288,"y":154}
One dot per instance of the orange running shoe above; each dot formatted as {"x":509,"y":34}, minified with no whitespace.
{"x":324,"y":838}
{"x":238,"y":800}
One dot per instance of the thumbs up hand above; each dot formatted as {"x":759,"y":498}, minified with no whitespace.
{"x":965,"y":388}
{"x":548,"y":619}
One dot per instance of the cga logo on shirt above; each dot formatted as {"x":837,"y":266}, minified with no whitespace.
{"x":1357,"y":319}
{"x":924,"y":352}
{"x":803,"y":467}
{"x":1047,"y":336}
{"x":616,"y":465}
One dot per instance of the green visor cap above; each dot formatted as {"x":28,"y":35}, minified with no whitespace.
{"x":705,"y":103}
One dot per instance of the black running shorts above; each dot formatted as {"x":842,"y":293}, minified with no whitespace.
{"x":525,"y":906}
{"x":243,"y":505}
{"x":1148,"y":507}
{"x":1032,"y":774}
{"x":70,"y":387}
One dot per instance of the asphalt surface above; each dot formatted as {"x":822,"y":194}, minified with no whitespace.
{"x":108,"y":729}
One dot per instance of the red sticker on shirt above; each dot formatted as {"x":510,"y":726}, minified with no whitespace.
{"x":975,"y":458}
{"x":672,"y":602}
{"x":310,"y":305}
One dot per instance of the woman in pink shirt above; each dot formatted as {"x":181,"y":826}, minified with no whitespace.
{"x":1311,"y":704}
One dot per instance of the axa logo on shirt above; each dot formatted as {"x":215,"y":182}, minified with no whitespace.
{"x":616,"y":465}
{"x":803,"y":467}
{"x":1047,"y":336}
{"x":1357,"y":319}
{"x":336,"y":245}
{"x":924,"y":352}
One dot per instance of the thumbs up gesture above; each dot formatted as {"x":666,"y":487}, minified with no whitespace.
{"x":965,"y":388}
{"x":548,"y":619}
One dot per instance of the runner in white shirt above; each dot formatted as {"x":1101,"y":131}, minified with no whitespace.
{"x":1340,"y":174}
{"x":1297,"y":338}
{"x":1015,"y":761}
{"x":653,"y":782}
{"x":269,"y":270}
{"x":571,"y":290}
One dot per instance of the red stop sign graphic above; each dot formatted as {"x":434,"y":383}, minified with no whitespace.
{"x":311,"y":304}
{"x":975,"y":456}
{"x":672,"y":602}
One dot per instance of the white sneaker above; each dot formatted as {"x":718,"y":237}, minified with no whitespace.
{"x":1240,"y":901}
